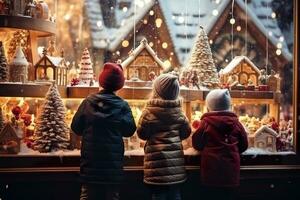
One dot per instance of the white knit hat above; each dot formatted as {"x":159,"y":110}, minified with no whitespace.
{"x":166,"y":86}
{"x":218,"y":100}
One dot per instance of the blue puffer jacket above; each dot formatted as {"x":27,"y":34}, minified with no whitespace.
{"x":103,"y":119}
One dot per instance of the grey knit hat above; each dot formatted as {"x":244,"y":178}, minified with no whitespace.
{"x":218,"y":100}
{"x":166,"y":86}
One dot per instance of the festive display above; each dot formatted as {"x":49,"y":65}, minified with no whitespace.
{"x":52,"y":132}
{"x":50,"y":68}
{"x":3,"y":65}
{"x":201,"y":67}
{"x":86,"y":73}
{"x":18,"y":67}
{"x":241,"y":73}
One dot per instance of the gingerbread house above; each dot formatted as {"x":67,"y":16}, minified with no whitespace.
{"x":241,"y":70}
{"x":50,"y":68}
{"x":9,"y":140}
{"x":265,"y":138}
{"x":142,"y":62}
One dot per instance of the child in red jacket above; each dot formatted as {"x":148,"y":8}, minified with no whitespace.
{"x":220,"y":138}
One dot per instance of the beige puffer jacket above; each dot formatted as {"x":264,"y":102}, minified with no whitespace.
{"x":163,"y":126}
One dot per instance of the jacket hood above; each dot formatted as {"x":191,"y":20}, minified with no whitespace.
{"x":105,"y":104}
{"x":222,"y":120}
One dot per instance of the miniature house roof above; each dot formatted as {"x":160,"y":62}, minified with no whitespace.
{"x":235,"y":62}
{"x":143,"y":45}
{"x":183,"y":20}
{"x":265,"y":128}
{"x":55,"y":61}
{"x":8,"y":131}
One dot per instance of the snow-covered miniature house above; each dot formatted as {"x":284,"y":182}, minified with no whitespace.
{"x":18,"y":67}
{"x":241,"y":70}
{"x":50,"y":68}
{"x":141,"y":62}
{"x":9,"y":140}
{"x":265,"y":138}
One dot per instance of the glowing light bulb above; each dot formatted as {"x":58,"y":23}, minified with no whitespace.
{"x":158,"y":22}
{"x":281,"y":39}
{"x":238,"y":28}
{"x":151,"y":44}
{"x":164,"y":45}
{"x":278,"y":52}
{"x":181,"y":20}
{"x":125,"y":43}
{"x":273,"y":15}
{"x":232,"y":21}
{"x":210,"y":41}
{"x":151,"y":12}
{"x":125,"y":9}
{"x":215,"y":12}
{"x":279,"y":45}
{"x":99,"y":23}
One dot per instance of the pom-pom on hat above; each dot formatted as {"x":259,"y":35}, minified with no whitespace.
{"x":112,"y":77}
{"x":218,"y":100}
{"x":166,"y":86}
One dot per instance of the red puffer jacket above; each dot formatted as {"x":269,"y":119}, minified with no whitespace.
{"x":220,"y":138}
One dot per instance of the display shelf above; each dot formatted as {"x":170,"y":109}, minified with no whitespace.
{"x":38,"y":27}
{"x":36,"y":89}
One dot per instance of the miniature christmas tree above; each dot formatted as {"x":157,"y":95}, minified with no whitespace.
{"x":19,"y":38}
{"x":201,"y":62}
{"x":86,"y":73}
{"x":52,"y":131}
{"x":3,"y":65}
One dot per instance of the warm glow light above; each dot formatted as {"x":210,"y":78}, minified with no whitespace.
{"x":145,"y":21}
{"x":151,"y":12}
{"x":151,"y":44}
{"x":167,"y":63}
{"x":210,"y":41}
{"x":99,"y":23}
{"x":125,"y":9}
{"x":173,"y":17}
{"x":118,"y":53}
{"x":215,"y":12}
{"x":125,"y":43}
{"x":232,"y":21}
{"x":218,"y":1}
{"x":238,"y":28}
{"x":278,"y":52}
{"x":279,"y":45}
{"x":158,"y":22}
{"x":164,"y":45}
{"x":273,"y":15}
{"x":181,"y":19}
{"x":67,"y":16}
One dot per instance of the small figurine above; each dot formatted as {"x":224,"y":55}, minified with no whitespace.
{"x":152,"y":75}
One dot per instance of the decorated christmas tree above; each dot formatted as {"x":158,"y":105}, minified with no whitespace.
{"x":3,"y":65}
{"x":201,"y":63}
{"x":19,"y":38}
{"x":86,"y":73}
{"x":52,"y":132}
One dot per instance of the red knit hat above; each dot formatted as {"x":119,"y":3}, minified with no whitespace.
{"x":112,"y":77}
